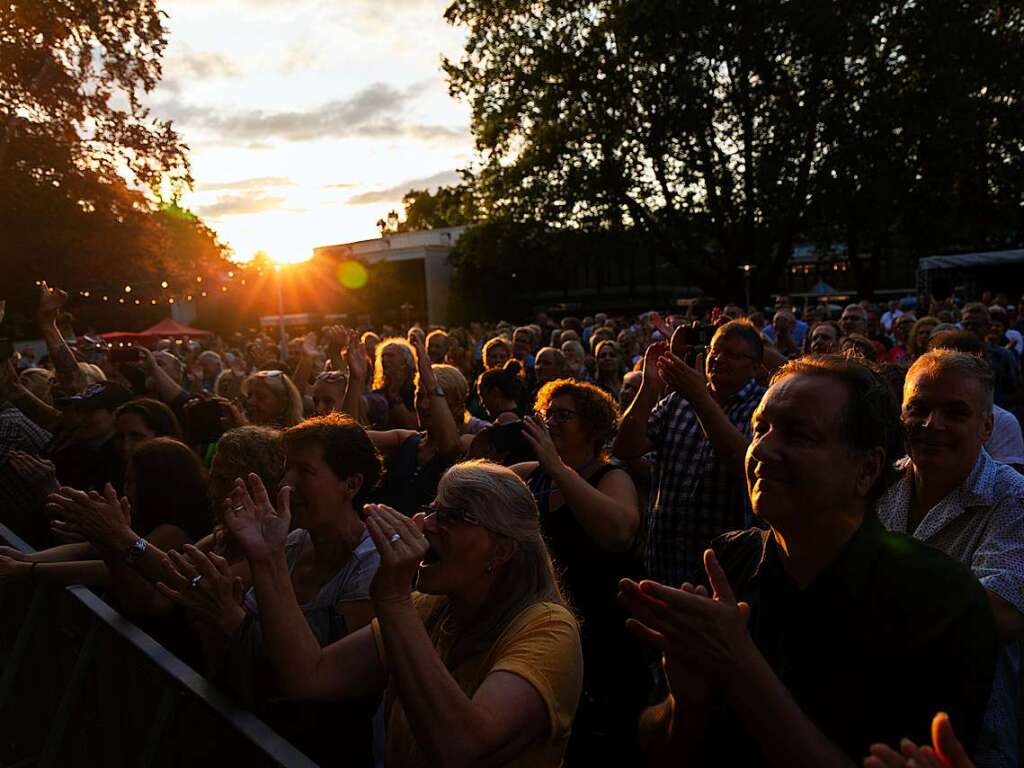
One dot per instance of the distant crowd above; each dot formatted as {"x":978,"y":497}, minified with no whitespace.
{"x":718,"y":536}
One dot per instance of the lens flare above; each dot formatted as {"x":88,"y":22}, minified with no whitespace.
{"x":352,"y":275}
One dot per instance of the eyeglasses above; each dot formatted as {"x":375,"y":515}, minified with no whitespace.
{"x":558,"y":415}
{"x":269,"y":374}
{"x":329,"y":376}
{"x":724,"y":354}
{"x":448,"y":516}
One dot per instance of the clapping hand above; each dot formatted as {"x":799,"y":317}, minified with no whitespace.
{"x":707,"y":634}
{"x":687,"y":380}
{"x":103,"y":520}
{"x":946,"y":751}
{"x":309,"y":346}
{"x":37,"y":472}
{"x":202,"y":584}
{"x":355,"y":358}
{"x":260,"y":530}
{"x":401,"y":545}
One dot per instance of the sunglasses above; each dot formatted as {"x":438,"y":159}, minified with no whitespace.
{"x":330,"y":376}
{"x":448,"y":516}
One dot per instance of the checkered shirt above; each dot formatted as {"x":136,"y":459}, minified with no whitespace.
{"x":17,"y":432}
{"x":981,"y":524}
{"x":694,"y":497}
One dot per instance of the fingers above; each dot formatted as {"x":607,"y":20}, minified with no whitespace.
{"x":380,"y":539}
{"x":173,"y":595}
{"x":719,"y":581}
{"x":220,"y":563}
{"x":257,"y":490}
{"x":200,"y":562}
{"x":947,"y":744}
{"x":884,"y":757}
{"x":647,"y":635}
{"x":284,"y":503}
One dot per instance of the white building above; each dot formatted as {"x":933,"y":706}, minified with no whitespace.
{"x":421,"y":270}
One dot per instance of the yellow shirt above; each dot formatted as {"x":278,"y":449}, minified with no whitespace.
{"x":540,"y":645}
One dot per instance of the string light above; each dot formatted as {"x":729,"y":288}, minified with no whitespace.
{"x":189,"y":298}
{"x":105,"y":298}
{"x":127,"y":289}
{"x":223,"y":289}
{"x":152,"y":301}
{"x":204,"y":294}
{"x":163,"y":284}
{"x":86,"y":294}
{"x":231,"y":274}
{"x":120,"y":301}
{"x":170,"y":301}
{"x":199,"y":279}
{"x":137,"y":301}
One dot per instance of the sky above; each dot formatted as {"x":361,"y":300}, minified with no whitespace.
{"x":307,"y":120}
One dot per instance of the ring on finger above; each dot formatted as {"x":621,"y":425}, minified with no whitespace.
{"x":395,"y":537}
{"x":194,"y":581}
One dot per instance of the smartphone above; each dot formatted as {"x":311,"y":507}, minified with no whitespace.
{"x":508,"y":438}
{"x":125,"y":355}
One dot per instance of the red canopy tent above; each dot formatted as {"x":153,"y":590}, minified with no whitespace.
{"x":171,"y":329}
{"x":123,"y":336}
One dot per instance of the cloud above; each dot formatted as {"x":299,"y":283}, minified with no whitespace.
{"x":373,"y":112}
{"x":396,"y":192}
{"x":235,"y":205}
{"x":204,"y":65}
{"x":259,"y":182}
{"x":342,"y":185}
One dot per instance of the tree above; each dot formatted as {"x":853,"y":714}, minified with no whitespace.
{"x":728,"y":132}
{"x":446,"y":207}
{"x":82,"y":163}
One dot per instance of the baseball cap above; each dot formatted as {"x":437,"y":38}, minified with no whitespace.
{"x":103,"y":394}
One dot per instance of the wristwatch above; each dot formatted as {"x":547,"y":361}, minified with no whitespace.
{"x":438,"y":391}
{"x":135,"y":551}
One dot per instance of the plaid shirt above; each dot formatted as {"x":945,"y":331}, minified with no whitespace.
{"x":981,"y":524}
{"x":694,"y":497}
{"x":18,"y":432}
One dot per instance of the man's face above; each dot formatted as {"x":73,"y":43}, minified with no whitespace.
{"x":522,"y":346}
{"x":853,"y":321}
{"x":630,"y":386}
{"x":797,"y":463}
{"x":947,"y":420}
{"x":730,"y":363}
{"x":782,"y":323}
{"x":823,"y":340}
{"x":546,"y":367}
{"x":975,"y":322}
{"x":437,"y":348}
{"x":91,"y":424}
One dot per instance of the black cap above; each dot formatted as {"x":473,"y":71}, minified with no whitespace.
{"x":104,"y":394}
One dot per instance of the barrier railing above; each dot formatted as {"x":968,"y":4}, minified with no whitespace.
{"x":82,"y":685}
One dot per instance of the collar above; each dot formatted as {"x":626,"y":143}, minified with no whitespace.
{"x":849,"y":571}
{"x":744,"y":393}
{"x":977,"y":490}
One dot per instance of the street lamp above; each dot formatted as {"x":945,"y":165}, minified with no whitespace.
{"x":747,"y":269}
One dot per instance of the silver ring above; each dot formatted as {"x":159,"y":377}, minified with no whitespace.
{"x":194,"y":581}
{"x":240,"y":508}
{"x":396,"y":536}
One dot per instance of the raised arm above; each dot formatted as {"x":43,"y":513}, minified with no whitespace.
{"x":347,"y":669}
{"x":730,"y":444}
{"x":11,"y":389}
{"x":304,"y":368}
{"x":167,"y":388}
{"x":609,"y":513}
{"x":442,"y":428}
{"x":69,"y":376}
{"x":354,"y":403}
{"x":631,"y":441}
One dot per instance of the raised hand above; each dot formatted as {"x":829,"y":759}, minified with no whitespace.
{"x":202,"y":584}
{"x":355,"y":357}
{"x":651,"y":357}
{"x":401,"y":545}
{"x":50,"y":302}
{"x":259,"y":529}
{"x":687,"y":380}
{"x":946,"y":750}
{"x":536,"y":433}
{"x":103,"y":520}
{"x":309,"y":346}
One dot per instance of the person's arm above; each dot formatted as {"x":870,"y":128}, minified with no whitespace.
{"x":710,"y":635}
{"x":69,"y":375}
{"x":46,"y":416}
{"x":609,"y":513}
{"x":167,"y":389}
{"x":354,"y":403}
{"x":389,"y":441}
{"x":632,"y":441}
{"x":304,"y":368}
{"x":997,"y":565}
{"x":64,"y":553}
{"x":730,"y":444}
{"x":349,"y":668}
{"x":506,"y":713}
{"x":92,"y":573}
{"x":443,"y":431}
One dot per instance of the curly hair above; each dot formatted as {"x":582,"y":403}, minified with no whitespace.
{"x":598,"y":412}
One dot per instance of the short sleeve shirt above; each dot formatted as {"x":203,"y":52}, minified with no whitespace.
{"x":541,"y":645}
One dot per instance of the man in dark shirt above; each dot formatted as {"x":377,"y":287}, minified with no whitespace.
{"x":825,"y":633}
{"x":85,"y":452}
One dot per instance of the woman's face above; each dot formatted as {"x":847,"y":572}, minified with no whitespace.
{"x":573,"y":359}
{"x":459,"y":557}
{"x":901,"y":330}
{"x":328,"y":397}
{"x":131,"y":431}
{"x":608,"y":359}
{"x":261,"y":406}
{"x":392,"y":363}
{"x":921,"y":335}
{"x":497,"y":356}
{"x":317,"y":493}
{"x":563,"y":422}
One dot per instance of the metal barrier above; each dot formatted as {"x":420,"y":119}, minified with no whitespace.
{"x":81,"y":685}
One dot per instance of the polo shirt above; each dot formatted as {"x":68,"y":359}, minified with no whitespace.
{"x":890,"y":633}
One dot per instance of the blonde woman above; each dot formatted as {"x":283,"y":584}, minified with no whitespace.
{"x":272,"y":400}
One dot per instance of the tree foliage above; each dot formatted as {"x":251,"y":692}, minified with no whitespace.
{"x":82,"y":162}
{"x":729,"y":132}
{"x":445,"y":207}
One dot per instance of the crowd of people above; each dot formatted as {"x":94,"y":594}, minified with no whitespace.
{"x":737,"y":537}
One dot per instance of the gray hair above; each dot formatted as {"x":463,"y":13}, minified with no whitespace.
{"x":943,"y":360}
